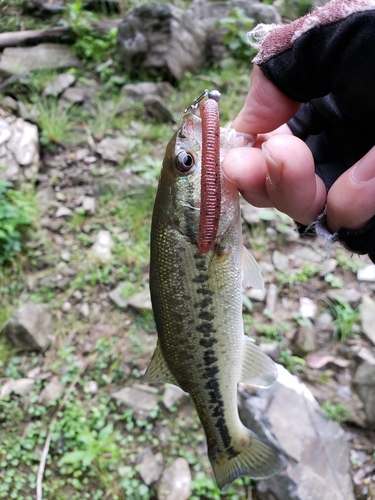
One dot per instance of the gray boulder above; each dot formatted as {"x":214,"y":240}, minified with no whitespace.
{"x":208,"y":13}
{"x":19,"y":149}
{"x":162,"y":40}
{"x":22,"y":60}
{"x":175,"y":481}
{"x":364,"y":386}
{"x":141,"y":90}
{"x":315,"y":449}
{"x":30,"y":327}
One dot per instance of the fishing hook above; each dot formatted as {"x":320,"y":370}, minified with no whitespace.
{"x":210,"y":94}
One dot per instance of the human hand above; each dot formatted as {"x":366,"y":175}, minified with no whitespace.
{"x":279,"y":171}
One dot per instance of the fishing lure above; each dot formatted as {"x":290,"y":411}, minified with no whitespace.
{"x":210,"y":176}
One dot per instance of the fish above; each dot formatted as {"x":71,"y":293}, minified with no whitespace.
{"x":197,"y":304}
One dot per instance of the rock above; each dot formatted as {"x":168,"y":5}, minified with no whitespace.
{"x":349,"y":295}
{"x":307,"y":308}
{"x":52,"y":392}
{"x":46,"y":198}
{"x":65,"y":255}
{"x":141,"y":300}
{"x":81,"y":154}
{"x":156,"y":107}
{"x":62,"y":82}
{"x":77,"y":95}
{"x":307,"y":254}
{"x":366,"y":273}
{"x":324,"y":322}
{"x":19,"y":149}
{"x":88,"y":204}
{"x":364,"y":386}
{"x":329,"y":266}
{"x":208,"y":13}
{"x":271,"y":298}
{"x":78,"y":295}
{"x":24,"y":142}
{"x":175,"y":481}
{"x":139,"y":91}
{"x":172,"y":394}
{"x":20,"y":386}
{"x":288,"y":414}
{"x":63,"y":212}
{"x":161,"y":39}
{"x":9,"y":104}
{"x":306,"y":338}
{"x":367,"y":310}
{"x":151,"y":467}
{"x":114,"y":148}
{"x":117,"y":295}
{"x":103,"y":246}
{"x":22,"y":60}
{"x":30,"y":326}
{"x":257,"y":295}
{"x":272,"y":349}
{"x":366,"y":355}
{"x":84,"y":309}
{"x":66,"y":307}
{"x":280,"y":260}
{"x":140,"y":398}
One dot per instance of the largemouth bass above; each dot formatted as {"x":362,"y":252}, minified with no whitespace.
{"x":197,"y":304}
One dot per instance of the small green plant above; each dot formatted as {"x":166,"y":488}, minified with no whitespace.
{"x":336,"y":412}
{"x":95,"y":446}
{"x":54,"y":121}
{"x":292,"y":363}
{"x":345,"y":319}
{"x":308,"y":271}
{"x":236,"y":25}
{"x":17,"y":215}
{"x":347,"y":261}
{"x":334,"y":281}
{"x":89,"y":45}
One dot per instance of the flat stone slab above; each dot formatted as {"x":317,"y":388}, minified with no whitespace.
{"x":288,"y":415}
{"x":22,"y":60}
{"x":29,"y":328}
{"x":138,"y":397}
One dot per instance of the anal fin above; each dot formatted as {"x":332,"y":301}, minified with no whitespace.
{"x":258,"y":369}
{"x":158,"y":370}
{"x":251,"y":274}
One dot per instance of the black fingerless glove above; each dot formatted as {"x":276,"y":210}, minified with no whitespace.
{"x":326,"y":60}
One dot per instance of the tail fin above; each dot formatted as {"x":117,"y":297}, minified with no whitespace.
{"x":254,"y":459}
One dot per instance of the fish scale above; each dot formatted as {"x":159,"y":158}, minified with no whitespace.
{"x":197,"y":304}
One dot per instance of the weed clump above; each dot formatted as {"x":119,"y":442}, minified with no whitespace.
{"x":17,"y":214}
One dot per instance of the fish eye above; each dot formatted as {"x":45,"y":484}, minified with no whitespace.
{"x":185,"y":161}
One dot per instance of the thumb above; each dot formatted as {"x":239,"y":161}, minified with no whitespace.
{"x":350,"y":201}
{"x":266,"y":107}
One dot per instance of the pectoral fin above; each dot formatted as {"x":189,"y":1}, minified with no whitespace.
{"x":258,"y":369}
{"x":251,"y":275}
{"x":158,"y":370}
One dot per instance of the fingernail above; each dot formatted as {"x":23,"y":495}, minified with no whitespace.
{"x":364,"y":170}
{"x":274,"y":167}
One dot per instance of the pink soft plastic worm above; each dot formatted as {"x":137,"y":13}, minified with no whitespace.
{"x":210,"y":175}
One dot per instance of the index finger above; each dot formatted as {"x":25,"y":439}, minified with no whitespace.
{"x":266,"y":107}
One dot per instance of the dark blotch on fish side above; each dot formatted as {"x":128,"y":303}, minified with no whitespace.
{"x":211,"y":372}
{"x":206,"y":316}
{"x":201,"y":278}
{"x":207,"y":343}
{"x":206,"y":328}
{"x":209,"y":357}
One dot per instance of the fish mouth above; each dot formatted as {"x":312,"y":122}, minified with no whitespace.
{"x":191,"y":125}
